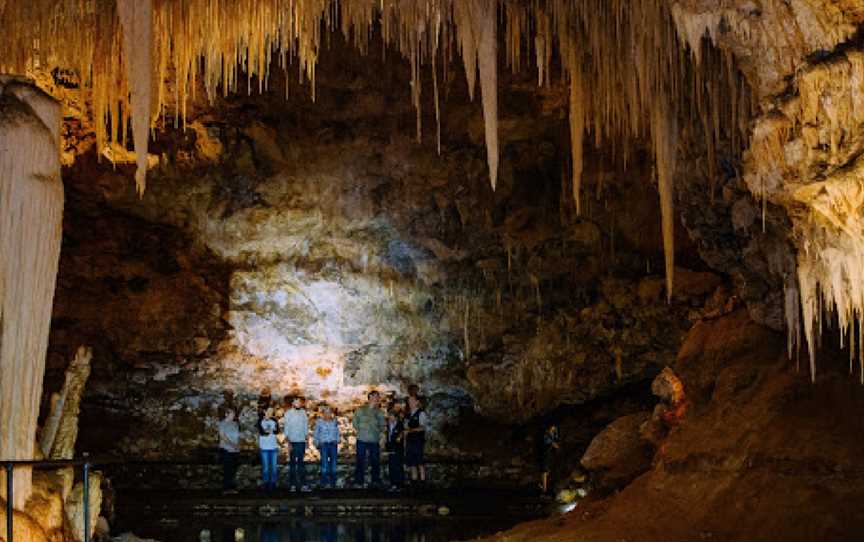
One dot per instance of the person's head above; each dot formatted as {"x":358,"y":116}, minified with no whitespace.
{"x":268,"y":412}
{"x":413,"y":390}
{"x":327,"y":412}
{"x":228,"y":414}
{"x":297,"y":402}
{"x":373,"y":397}
{"x":413,"y":402}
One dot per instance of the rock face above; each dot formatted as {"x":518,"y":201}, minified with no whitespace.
{"x":806,"y":140}
{"x":759,"y":443}
{"x":328,"y":266}
{"x":31,"y":210}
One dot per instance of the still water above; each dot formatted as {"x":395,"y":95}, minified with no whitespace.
{"x":336,"y":530}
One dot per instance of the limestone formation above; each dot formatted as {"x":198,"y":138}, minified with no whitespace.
{"x":74,"y":506}
{"x":31,"y":207}
{"x":58,"y":436}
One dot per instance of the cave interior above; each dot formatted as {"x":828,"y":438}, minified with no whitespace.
{"x":640,"y":222}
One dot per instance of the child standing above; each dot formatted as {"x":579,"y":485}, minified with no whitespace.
{"x":269,"y":446}
{"x":296,"y":427}
{"x":395,"y":446}
{"x":415,"y":439}
{"x":326,"y":439}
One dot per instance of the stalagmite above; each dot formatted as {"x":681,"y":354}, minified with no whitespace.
{"x":58,"y":437}
{"x":31,"y":210}
{"x":136,"y":17}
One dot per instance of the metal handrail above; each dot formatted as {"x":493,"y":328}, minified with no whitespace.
{"x":45,"y":464}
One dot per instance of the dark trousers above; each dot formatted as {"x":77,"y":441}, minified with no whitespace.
{"x":229,"y":468}
{"x":329,"y":452}
{"x":374,"y":451}
{"x":396,"y":468}
{"x":296,"y":466}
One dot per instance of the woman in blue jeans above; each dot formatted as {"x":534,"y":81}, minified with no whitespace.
{"x":326,"y":439}
{"x":269,"y":446}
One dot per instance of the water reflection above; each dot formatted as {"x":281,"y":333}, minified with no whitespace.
{"x":349,"y":531}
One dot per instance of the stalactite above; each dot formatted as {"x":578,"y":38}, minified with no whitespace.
{"x":214,"y":42}
{"x":136,"y":17}
{"x":577,"y":126}
{"x":31,"y":209}
{"x":664,"y":133}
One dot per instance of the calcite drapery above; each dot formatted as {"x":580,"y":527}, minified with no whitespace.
{"x":31,"y":209}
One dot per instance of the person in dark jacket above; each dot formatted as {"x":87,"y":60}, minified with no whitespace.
{"x":395,"y":447}
{"x":416,"y":424}
{"x":548,"y":448}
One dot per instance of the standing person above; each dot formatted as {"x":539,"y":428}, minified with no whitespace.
{"x":296,"y":427}
{"x":369,"y":423}
{"x":326,"y":439}
{"x":269,"y":446}
{"x":229,"y":449}
{"x":548,"y":447}
{"x":396,"y":449}
{"x":415,"y":439}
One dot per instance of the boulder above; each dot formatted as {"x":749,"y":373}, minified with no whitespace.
{"x":619,"y":454}
{"x":694,"y":284}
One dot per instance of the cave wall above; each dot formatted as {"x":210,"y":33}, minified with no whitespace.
{"x":317,"y":249}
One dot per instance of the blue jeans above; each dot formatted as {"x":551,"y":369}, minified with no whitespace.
{"x":268,"y":468}
{"x":329,"y":452}
{"x":296,"y":465}
{"x":374,"y":451}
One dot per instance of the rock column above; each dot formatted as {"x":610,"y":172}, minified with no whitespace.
{"x":31,"y":210}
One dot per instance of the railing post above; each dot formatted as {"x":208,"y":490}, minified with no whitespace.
{"x":10,"y":511}
{"x":86,"y":502}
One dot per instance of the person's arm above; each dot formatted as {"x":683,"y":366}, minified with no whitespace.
{"x":355,"y":420}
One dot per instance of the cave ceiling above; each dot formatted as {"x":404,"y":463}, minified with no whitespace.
{"x":770,"y":90}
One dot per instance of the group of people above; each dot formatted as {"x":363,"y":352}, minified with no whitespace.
{"x":401,"y":431}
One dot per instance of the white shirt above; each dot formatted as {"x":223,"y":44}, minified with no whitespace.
{"x":268,"y":440}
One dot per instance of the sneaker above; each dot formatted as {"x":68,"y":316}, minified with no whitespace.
{"x":305,"y":489}
{"x":394,"y":489}
{"x":292,"y":489}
